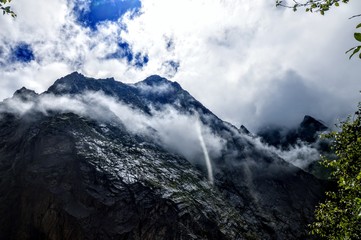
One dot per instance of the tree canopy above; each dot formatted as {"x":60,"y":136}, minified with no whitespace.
{"x":6,"y":8}
{"x":339,"y":217}
{"x":320,"y":6}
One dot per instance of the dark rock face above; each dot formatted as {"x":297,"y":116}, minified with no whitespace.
{"x":308,"y":129}
{"x":76,"y":83}
{"x":244,"y":130}
{"x":307,"y":132}
{"x":57,"y":186}
{"x":66,"y":176}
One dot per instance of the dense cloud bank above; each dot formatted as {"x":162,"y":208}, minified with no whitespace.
{"x":247,"y":61}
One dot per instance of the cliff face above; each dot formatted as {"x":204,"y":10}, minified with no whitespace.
{"x":67,"y":175}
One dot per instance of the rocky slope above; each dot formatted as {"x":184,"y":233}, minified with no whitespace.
{"x":68,"y":174}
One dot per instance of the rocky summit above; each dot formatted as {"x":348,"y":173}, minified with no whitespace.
{"x":100,"y":159}
{"x":308,"y":131}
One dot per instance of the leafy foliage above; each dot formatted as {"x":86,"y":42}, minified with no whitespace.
{"x":356,"y":49}
{"x":339,"y":217}
{"x":6,"y":9}
{"x":312,"y":5}
{"x":323,"y":6}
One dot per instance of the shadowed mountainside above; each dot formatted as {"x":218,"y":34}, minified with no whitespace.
{"x":68,"y":175}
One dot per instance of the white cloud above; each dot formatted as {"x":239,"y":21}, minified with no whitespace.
{"x":300,"y":155}
{"x":232,"y":54}
{"x":157,"y":89}
{"x":177,"y":132}
{"x":235,"y":56}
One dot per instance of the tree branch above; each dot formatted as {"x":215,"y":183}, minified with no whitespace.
{"x":358,"y":15}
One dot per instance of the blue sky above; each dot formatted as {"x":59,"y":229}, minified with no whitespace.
{"x":21,"y":52}
{"x":104,"y":10}
{"x":97,"y":12}
{"x":247,"y":61}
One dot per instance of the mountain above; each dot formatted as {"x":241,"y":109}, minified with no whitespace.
{"x":307,"y":131}
{"x":100,"y":159}
{"x":304,"y":138}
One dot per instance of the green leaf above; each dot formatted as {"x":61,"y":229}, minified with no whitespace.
{"x":355,"y":51}
{"x":358,"y":26}
{"x":357,"y":36}
{"x":337,"y":4}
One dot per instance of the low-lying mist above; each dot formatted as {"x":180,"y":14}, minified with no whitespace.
{"x":176,"y":131}
{"x":300,"y":155}
{"x":179,"y":132}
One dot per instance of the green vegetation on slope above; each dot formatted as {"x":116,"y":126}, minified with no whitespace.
{"x":339,"y":217}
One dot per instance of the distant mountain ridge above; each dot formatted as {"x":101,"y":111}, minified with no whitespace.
{"x":67,"y":175}
{"x":307,"y":131}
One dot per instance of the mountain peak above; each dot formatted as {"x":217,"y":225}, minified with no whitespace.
{"x":309,"y":128}
{"x":22,"y":91}
{"x":244,"y":130}
{"x":155,"y":80}
{"x":75,"y":73}
{"x":71,"y":83}
{"x":310,"y":122}
{"x":25,"y":94}
{"x":73,"y":76}
{"x":77,"y":83}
